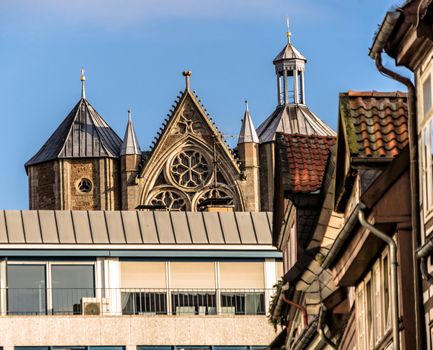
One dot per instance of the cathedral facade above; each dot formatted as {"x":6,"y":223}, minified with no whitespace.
{"x":85,"y":165}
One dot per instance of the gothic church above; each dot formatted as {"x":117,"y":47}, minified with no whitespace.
{"x":85,"y":165}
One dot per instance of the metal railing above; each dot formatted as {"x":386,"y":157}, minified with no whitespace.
{"x":132,"y":301}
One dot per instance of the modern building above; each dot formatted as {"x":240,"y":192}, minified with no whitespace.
{"x":136,"y":279}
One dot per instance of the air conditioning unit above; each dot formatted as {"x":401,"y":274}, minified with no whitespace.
{"x":94,"y":306}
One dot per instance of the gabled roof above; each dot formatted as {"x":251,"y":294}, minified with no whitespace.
{"x":190,"y":96}
{"x":248,"y":131}
{"x":82,"y":134}
{"x":292,"y":119}
{"x":374,"y":124}
{"x":130,"y":143}
{"x":289,"y":52}
{"x":306,"y":160}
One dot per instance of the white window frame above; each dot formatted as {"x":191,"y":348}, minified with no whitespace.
{"x":425,"y":124}
{"x":370,"y":335}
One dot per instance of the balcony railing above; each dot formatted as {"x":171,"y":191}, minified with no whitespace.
{"x":133,"y":301}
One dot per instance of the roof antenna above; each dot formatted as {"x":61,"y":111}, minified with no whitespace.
{"x":187,"y":74}
{"x":83,"y":79}
{"x":288,"y":33}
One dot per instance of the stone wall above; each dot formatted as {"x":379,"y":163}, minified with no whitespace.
{"x":42,"y":186}
{"x":84,"y":169}
{"x":134,"y":330}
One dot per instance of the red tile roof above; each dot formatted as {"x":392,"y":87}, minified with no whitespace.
{"x":374,"y":123}
{"x":307,"y":158}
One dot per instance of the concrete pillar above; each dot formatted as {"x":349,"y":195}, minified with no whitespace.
{"x":112,"y":279}
{"x":270,"y":274}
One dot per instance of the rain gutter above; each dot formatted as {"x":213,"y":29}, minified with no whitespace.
{"x":341,"y":238}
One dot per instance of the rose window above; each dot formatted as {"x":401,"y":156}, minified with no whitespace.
{"x":170,"y":199}
{"x":190,"y":169}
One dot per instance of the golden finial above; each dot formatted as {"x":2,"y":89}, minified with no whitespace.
{"x":187,"y":74}
{"x":83,"y":79}
{"x":288,"y":33}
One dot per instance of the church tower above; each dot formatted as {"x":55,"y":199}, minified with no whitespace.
{"x":291,"y":116}
{"x":77,"y":167}
{"x":248,"y":150}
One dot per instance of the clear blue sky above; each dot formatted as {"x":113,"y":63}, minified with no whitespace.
{"x":135,"y":50}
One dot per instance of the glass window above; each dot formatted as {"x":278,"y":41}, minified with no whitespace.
{"x":136,"y":302}
{"x":427,"y":95}
{"x":71,"y":283}
{"x":243,"y":303}
{"x":386,"y":291}
{"x":26,"y":289}
{"x":193,"y":303}
{"x":369,"y":304}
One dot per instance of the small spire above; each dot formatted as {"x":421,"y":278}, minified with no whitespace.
{"x":83,"y":79}
{"x":288,"y":33}
{"x":187,"y":74}
{"x":248,"y":132}
{"x":130,"y":143}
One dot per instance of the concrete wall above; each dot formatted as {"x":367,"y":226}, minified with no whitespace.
{"x":134,"y":330}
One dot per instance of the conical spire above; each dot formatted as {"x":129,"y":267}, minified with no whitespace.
{"x":248,"y":132}
{"x":130,"y":143}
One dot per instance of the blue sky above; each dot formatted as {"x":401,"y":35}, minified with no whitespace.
{"x":135,"y":50}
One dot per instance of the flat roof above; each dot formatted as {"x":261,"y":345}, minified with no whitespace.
{"x":149,"y":230}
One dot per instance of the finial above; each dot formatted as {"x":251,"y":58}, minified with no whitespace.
{"x":83,"y":79}
{"x":288,"y":33}
{"x":246,"y":105}
{"x":129,"y":115}
{"x":187,"y":74}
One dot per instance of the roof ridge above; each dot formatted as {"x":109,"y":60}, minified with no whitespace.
{"x":374,"y":93}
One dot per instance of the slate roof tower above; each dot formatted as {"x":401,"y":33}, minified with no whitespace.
{"x":76,"y":167}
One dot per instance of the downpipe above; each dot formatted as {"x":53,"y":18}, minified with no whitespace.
{"x":303,"y":309}
{"x":414,"y":186}
{"x":394,"y":282}
{"x":321,"y":326}
{"x":422,"y":254}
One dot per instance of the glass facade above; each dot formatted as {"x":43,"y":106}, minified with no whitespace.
{"x":26,"y":292}
{"x":69,"y":284}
